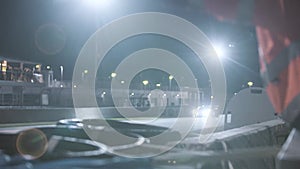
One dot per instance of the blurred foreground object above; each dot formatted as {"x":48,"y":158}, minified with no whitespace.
{"x":277,"y":27}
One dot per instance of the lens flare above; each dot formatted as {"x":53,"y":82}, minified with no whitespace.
{"x":31,"y":144}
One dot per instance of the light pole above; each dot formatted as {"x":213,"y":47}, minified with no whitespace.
{"x":84,"y":73}
{"x":145,"y":83}
{"x":170,"y":82}
{"x":61,"y":73}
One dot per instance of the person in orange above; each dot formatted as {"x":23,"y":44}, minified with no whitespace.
{"x":277,"y":26}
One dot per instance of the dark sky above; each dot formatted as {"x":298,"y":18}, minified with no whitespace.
{"x":52,"y":32}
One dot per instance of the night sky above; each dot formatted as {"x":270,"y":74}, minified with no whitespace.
{"x":52,"y":32}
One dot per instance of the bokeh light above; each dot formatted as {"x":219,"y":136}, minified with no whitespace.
{"x":31,"y":144}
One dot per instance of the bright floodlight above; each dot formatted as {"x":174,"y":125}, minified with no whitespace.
{"x":96,"y":3}
{"x":171,"y":77}
{"x":220,"y":50}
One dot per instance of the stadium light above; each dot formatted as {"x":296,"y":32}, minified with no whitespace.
{"x":250,"y":84}
{"x":113,"y":74}
{"x":96,"y":3}
{"x":220,"y":50}
{"x":145,"y":82}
